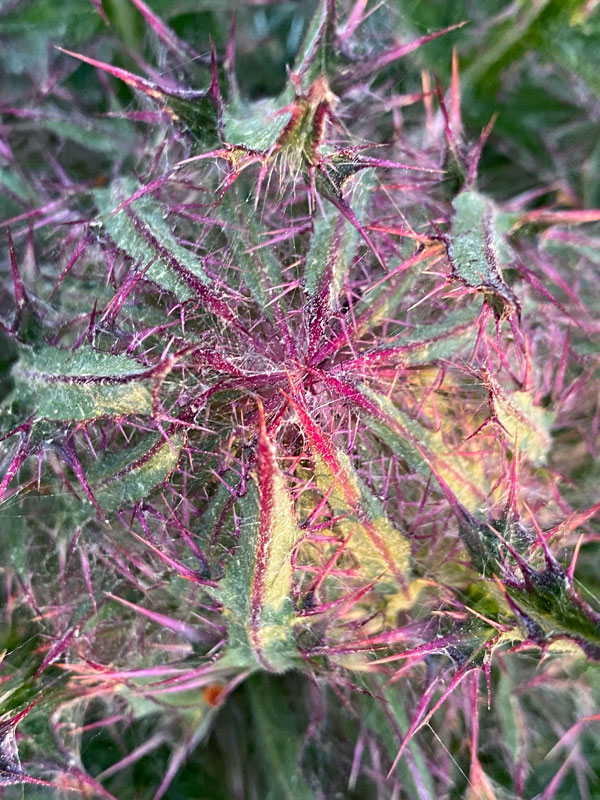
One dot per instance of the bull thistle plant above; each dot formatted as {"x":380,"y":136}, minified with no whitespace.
{"x":300,"y":402}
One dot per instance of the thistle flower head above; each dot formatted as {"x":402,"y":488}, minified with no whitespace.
{"x":291,"y":425}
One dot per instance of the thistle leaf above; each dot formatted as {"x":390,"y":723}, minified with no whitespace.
{"x":329,"y":259}
{"x":549,"y":609}
{"x":141,"y":232}
{"x":198,"y":112}
{"x":423,"y":450}
{"x":124,"y":478}
{"x":63,"y":385}
{"x":316,"y":50}
{"x":259,"y":268}
{"x":380,"y":548}
{"x":477,"y":251}
{"x":256,"y":126}
{"x":424,"y":343}
{"x":256,"y":590}
{"x":521,"y":419}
